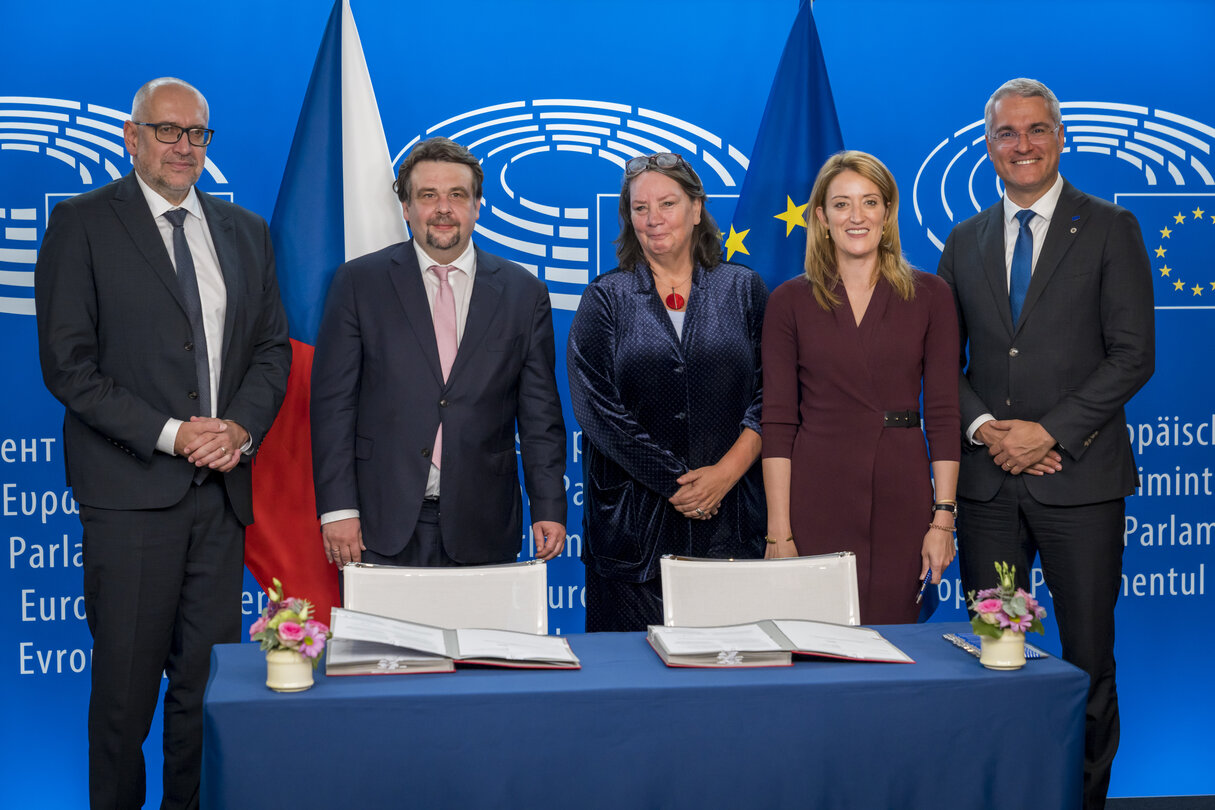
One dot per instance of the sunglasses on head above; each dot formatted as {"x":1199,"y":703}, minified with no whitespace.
{"x":663,"y":160}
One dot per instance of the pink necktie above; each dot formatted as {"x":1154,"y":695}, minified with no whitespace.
{"x":445,"y":337}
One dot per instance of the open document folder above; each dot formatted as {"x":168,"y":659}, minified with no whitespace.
{"x":770,"y":643}
{"x":365,"y":644}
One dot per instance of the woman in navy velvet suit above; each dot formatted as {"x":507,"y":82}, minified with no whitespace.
{"x":847,"y":349}
{"x":664,"y":370}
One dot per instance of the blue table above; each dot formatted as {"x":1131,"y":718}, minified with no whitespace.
{"x":627,"y":732}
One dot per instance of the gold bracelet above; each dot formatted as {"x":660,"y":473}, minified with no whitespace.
{"x":949,"y":529}
{"x":772,"y":542}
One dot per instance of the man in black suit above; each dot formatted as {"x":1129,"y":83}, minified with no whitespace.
{"x":1056,"y":312}
{"x":431,"y":355}
{"x":161,"y":330}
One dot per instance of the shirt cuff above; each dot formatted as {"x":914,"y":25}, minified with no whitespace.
{"x":168,"y":437}
{"x":340,"y":514}
{"x":970,"y":431}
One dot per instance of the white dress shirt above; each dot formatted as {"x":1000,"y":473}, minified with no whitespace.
{"x":1044,"y":209}
{"x":212,"y":291}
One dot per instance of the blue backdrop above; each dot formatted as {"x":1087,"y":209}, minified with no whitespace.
{"x":909,"y":83}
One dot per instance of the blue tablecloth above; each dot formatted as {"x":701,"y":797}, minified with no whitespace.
{"x":625,"y":731}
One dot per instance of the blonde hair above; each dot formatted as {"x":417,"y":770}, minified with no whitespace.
{"x":821,"y":269}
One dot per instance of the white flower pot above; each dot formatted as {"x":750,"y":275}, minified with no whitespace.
{"x":1005,"y":652}
{"x":288,"y":671}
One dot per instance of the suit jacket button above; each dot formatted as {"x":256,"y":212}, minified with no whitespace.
{"x":1013,"y":352}
{"x":425,"y":452}
{"x":442,"y":403}
{"x":193,"y":395}
{"x":189,"y":346}
{"x":1008,"y":402}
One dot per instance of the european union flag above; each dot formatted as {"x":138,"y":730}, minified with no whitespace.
{"x":1179,"y":233}
{"x":799,"y":131}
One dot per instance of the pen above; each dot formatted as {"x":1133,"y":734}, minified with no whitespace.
{"x":919,"y":596}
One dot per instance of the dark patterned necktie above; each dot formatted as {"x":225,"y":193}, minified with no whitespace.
{"x":188,"y":281}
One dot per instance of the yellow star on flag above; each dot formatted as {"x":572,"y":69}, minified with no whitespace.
{"x":1197,"y":290}
{"x":1164,"y":271}
{"x":734,"y":244}
{"x":1160,"y":252}
{"x":1198,"y":212}
{"x":1213,"y":285}
{"x":1180,"y":218}
{"x":1178,"y":285}
{"x":794,"y":215}
{"x":1165,"y":233}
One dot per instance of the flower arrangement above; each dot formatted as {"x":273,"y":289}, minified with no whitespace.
{"x":286,"y":623}
{"x":1005,"y":607}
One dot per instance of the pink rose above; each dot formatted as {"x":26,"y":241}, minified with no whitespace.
{"x":989,"y":606}
{"x":258,"y":626}
{"x":290,"y":632}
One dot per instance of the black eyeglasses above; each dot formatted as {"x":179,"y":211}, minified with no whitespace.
{"x":663,"y":160}
{"x":171,"y":133}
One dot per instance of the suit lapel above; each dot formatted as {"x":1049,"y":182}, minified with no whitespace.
{"x":406,"y":278}
{"x":482,"y":306}
{"x":1065,"y":226}
{"x":132,"y":211}
{"x":991,"y":247}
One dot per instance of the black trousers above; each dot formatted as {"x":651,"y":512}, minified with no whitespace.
{"x":1080,"y":549}
{"x":161,"y":586}
{"x":425,"y":546}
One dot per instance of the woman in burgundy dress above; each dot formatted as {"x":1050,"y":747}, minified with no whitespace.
{"x":846,"y":349}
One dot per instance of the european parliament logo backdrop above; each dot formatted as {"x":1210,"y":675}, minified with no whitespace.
{"x":553,"y":98}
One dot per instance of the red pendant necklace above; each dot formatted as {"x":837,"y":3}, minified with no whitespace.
{"x":675,"y":301}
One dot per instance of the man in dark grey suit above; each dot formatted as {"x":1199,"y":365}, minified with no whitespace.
{"x":161,"y":330}
{"x":1054,"y":296}
{"x":431,"y":355}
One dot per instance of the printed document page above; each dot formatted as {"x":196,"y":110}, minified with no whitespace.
{"x":832,"y":639}
{"x":512,"y":646}
{"x":699,"y":640}
{"x":366,"y":627}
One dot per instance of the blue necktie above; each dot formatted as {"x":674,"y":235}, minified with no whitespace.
{"x":188,"y":281}
{"x":1022,"y":265}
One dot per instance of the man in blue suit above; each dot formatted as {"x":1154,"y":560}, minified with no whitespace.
{"x":431,"y":355}
{"x":161,"y":331}
{"x":1054,"y":295}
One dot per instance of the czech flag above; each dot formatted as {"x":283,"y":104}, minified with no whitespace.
{"x":335,"y":203}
